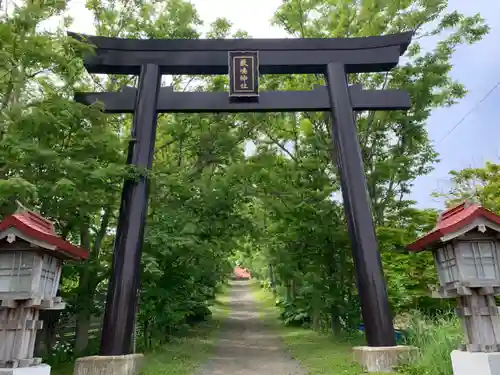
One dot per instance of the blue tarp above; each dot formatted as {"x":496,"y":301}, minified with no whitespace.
{"x":399,"y":334}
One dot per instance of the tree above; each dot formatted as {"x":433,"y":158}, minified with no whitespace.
{"x":480,"y":184}
{"x":59,"y":157}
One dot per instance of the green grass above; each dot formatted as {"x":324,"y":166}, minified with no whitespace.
{"x":321,"y":354}
{"x":182,"y":355}
{"x":62,"y":369}
{"x":436,"y":338}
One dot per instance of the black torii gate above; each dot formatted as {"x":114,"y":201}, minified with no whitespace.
{"x":244,"y":60}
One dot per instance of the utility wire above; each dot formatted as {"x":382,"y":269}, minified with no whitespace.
{"x":469,"y":113}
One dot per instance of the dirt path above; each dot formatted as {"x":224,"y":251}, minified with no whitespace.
{"x":246,"y":346}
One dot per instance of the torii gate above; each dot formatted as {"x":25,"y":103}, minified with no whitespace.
{"x":245,"y":60}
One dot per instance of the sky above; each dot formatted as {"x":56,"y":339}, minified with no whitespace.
{"x":473,"y":142}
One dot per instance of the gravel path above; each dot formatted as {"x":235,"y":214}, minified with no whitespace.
{"x":245,"y":345}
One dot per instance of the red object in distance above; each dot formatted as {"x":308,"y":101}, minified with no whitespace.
{"x":241,"y":273}
{"x":35,"y":226}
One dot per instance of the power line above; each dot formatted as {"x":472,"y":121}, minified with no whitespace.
{"x":469,"y":113}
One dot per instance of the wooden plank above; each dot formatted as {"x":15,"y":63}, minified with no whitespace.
{"x":66,"y":330}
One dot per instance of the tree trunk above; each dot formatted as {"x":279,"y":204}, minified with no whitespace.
{"x":335,"y":322}
{"x":41,"y":347}
{"x":84,"y":298}
{"x":272,"y":279}
{"x":293,"y":289}
{"x":46,"y":338}
{"x":289,"y":297}
{"x":145,"y":333}
{"x":316,"y":317}
{"x":82,"y":331}
{"x":88,"y":282}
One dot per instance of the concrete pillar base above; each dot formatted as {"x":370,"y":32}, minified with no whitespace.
{"x":129,"y":364}
{"x":41,"y":369}
{"x":467,"y":363}
{"x":384,"y":358}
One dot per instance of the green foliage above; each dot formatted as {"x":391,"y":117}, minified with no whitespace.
{"x":295,"y":315}
{"x":185,"y":254}
{"x":479,"y":184}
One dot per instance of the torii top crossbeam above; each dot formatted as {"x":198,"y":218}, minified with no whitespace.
{"x":277,"y":56}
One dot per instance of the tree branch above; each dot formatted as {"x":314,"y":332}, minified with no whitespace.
{"x":283,"y":148}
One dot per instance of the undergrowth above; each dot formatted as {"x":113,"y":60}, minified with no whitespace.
{"x":436,"y":338}
{"x":322,"y":354}
{"x":182,"y":354}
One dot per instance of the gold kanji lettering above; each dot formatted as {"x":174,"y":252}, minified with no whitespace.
{"x":244,"y":85}
{"x":243,"y":62}
{"x":244,"y":77}
{"x":243,"y":70}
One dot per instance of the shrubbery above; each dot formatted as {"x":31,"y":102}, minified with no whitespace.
{"x":436,"y":338}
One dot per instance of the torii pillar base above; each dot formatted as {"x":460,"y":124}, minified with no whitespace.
{"x":383,"y":358}
{"x":128,"y":364}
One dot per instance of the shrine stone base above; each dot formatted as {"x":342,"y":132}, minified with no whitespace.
{"x":467,"y":363}
{"x":129,"y":364}
{"x":383,"y":358}
{"x":41,"y":369}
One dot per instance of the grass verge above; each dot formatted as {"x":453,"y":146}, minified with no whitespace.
{"x":319,"y":354}
{"x":182,"y":355}
{"x":436,"y":338}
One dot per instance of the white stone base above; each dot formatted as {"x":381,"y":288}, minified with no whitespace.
{"x":42,"y":369}
{"x":468,"y":363}
{"x":129,"y":364}
{"x":384,"y":358}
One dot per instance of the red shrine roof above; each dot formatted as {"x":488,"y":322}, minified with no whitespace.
{"x":452,"y":220}
{"x":36,"y":227}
